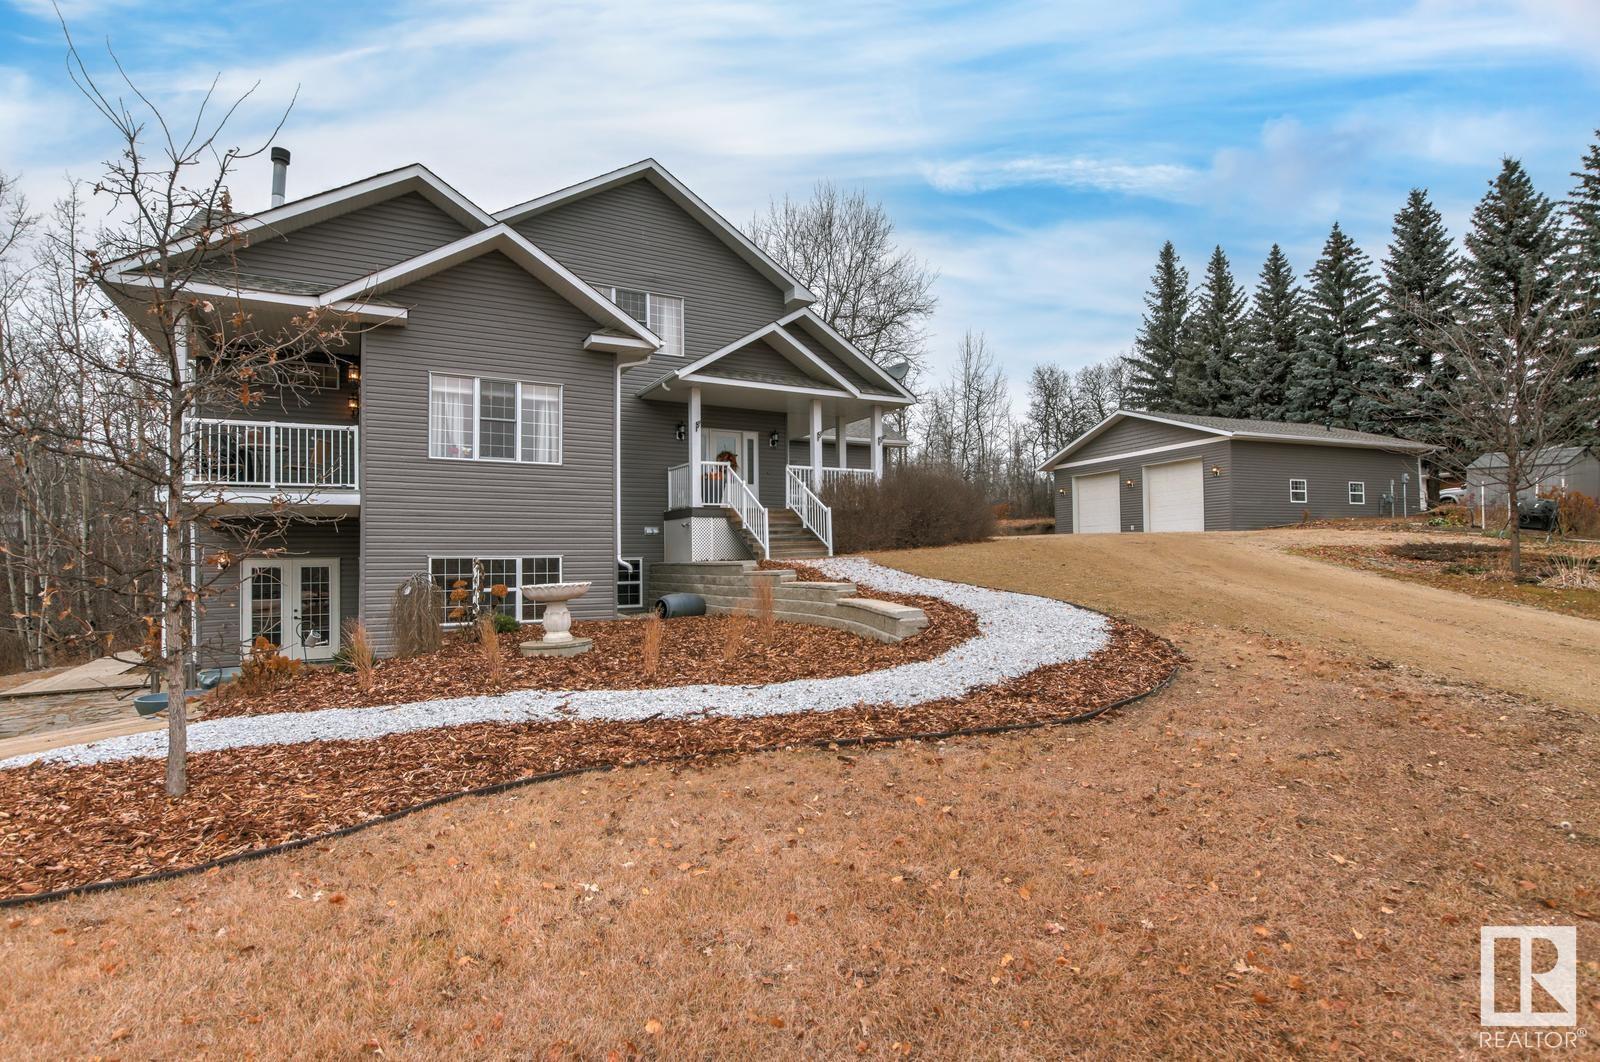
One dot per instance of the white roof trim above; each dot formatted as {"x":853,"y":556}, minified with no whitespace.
{"x":1113,"y":418}
{"x":794,"y":352}
{"x":678,"y":192}
{"x":353,"y":307}
{"x":848,"y":350}
{"x":618,"y":345}
{"x":332,"y":203}
{"x":756,"y":385}
{"x":519,"y":249}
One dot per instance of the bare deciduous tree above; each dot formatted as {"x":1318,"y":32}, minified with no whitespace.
{"x":966,"y":422}
{"x":841,"y":245}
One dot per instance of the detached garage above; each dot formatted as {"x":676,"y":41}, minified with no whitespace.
{"x":1174,"y":472}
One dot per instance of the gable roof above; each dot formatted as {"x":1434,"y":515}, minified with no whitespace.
{"x":299,"y":213}
{"x":1554,"y":458}
{"x":651,"y":170}
{"x":827,"y":335}
{"x":813,"y":368}
{"x":1247,"y":430}
{"x":522,"y":251}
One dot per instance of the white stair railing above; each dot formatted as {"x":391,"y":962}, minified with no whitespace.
{"x":831,"y":476}
{"x":721,"y":486}
{"x":814,"y":516}
{"x":678,"y":487}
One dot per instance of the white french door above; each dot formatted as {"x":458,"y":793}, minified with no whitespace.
{"x":745,"y":446}
{"x":292,"y":602}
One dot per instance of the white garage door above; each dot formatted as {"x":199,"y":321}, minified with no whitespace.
{"x":1175,"y":496}
{"x":1096,"y":507}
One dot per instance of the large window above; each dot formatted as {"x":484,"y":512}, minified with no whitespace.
{"x":472,"y":417}
{"x":1298,"y":491}
{"x":1358,"y":493}
{"x":494,"y":582}
{"x":662,"y":314}
{"x":630,"y":583}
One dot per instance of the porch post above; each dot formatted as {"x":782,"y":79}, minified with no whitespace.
{"x":816,"y":444}
{"x":694,"y":448}
{"x":877,"y":442}
{"x":841,"y":447}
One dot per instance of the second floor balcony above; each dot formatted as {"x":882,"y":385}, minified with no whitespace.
{"x":276,"y":457}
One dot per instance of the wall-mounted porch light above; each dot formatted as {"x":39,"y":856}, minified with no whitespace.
{"x":682,"y":431}
{"x":772,"y":440}
{"x":1128,"y":483}
{"x":354,"y":374}
{"x":354,"y":406}
{"x":1216,"y":471}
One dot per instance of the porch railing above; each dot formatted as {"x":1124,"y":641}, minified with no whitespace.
{"x":831,"y":476}
{"x":720,"y":486}
{"x":814,"y":516}
{"x":274,"y":455}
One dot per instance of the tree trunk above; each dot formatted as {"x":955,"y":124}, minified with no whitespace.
{"x":177,"y":706}
{"x":1516,"y":531}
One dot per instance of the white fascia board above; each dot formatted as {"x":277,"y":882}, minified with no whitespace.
{"x":1398,"y":446}
{"x":792,"y":350}
{"x":323,"y":205}
{"x":1121,"y":414}
{"x":1169,"y":448}
{"x":754,"y":385}
{"x":848,"y":351}
{"x":519,"y":249}
{"x":679,"y":193}
{"x":353,"y":307}
{"x":618,"y":345}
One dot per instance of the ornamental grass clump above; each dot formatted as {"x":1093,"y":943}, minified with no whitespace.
{"x":415,"y":612}
{"x":650,"y":648}
{"x":494,"y":664}
{"x":763,"y":606}
{"x":733,"y":635}
{"x":359,"y":651}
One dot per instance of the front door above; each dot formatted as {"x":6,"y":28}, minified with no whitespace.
{"x":292,"y":603}
{"x":744,"y":447}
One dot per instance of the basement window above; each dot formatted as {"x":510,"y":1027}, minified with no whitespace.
{"x":630,"y":583}
{"x":1298,"y":492}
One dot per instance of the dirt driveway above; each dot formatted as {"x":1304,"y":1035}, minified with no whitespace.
{"x":1247,"y":581}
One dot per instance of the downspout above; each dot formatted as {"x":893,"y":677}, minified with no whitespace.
{"x":616,"y":458}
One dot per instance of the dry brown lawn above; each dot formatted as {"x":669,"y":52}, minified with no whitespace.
{"x":1289,"y":852}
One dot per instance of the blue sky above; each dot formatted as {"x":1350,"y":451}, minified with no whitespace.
{"x":1036,"y":153}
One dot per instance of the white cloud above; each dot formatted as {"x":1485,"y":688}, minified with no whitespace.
{"x":1067,"y":171}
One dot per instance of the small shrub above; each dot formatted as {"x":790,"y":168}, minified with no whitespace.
{"x":650,"y":650}
{"x":913,"y":505}
{"x":733,"y":635}
{"x":494,"y":664}
{"x":1566,"y":572}
{"x":763,"y":607}
{"x":358,"y":650}
{"x":1580,"y":514}
{"x":265,"y":669}
{"x":414,"y":613}
{"x":505,"y":624}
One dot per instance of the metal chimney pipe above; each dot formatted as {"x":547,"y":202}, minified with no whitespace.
{"x":280,"y":174}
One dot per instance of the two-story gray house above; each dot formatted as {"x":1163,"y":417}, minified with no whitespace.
{"x":574,"y":388}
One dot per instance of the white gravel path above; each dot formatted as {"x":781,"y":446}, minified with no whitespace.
{"x":1018,"y":633}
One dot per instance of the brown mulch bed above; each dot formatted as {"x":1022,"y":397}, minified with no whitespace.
{"x":693,"y":651}
{"x":72,"y":826}
{"x":1477,"y":569}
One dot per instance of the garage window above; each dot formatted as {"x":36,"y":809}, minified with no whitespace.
{"x":1358,"y":493}
{"x":1297,"y":491}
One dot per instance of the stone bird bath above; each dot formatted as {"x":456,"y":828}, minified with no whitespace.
{"x":558,"y":639}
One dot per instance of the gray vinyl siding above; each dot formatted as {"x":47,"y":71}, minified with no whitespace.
{"x":1218,"y":507}
{"x":353,"y":245}
{"x":485,"y":317}
{"x":633,"y":236}
{"x":832,"y":360}
{"x":1582,"y":476}
{"x":1262,"y":472}
{"x":857,"y":455}
{"x":1134,"y":434}
{"x":758,"y":361}
{"x":220,"y":628}
{"x":650,"y":446}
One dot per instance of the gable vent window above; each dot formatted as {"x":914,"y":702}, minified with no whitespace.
{"x":662,"y":314}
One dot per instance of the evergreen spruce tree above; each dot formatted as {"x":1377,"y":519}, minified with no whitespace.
{"x":1337,"y":368}
{"x":1210,"y":371}
{"x":1156,"y":348}
{"x":1516,"y":262}
{"x":1583,"y":220}
{"x":1272,"y":339}
{"x":1421,"y":294}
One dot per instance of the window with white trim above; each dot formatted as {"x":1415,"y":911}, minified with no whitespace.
{"x":494,"y":581}
{"x":1358,"y":492}
{"x":630,"y":582}
{"x":487,"y":419}
{"x":662,"y":314}
{"x":1298,"y":491}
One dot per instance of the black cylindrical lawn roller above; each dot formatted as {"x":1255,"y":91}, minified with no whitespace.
{"x":671,"y":606}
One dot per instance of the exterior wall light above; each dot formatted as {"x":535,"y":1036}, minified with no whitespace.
{"x":681,"y":432}
{"x":354,"y":375}
{"x":1216,"y":470}
{"x":1128,"y":483}
{"x":772,"y":440}
{"x":354,"y":406}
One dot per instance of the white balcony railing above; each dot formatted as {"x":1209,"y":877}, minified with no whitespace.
{"x":273,"y":455}
{"x":831,"y":476}
{"x":814,"y":516}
